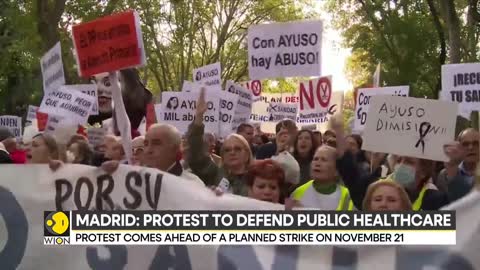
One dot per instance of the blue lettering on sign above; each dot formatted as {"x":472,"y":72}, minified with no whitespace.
{"x":17,"y":228}
{"x":117,"y":260}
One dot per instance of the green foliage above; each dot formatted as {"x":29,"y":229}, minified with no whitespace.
{"x":399,"y":35}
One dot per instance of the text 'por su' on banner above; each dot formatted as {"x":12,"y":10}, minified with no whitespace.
{"x":109,"y":43}
{"x":284,"y":49}
{"x":415,"y":127}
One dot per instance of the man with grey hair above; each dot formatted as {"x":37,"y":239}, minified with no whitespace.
{"x":162,"y":148}
{"x":161,"y":151}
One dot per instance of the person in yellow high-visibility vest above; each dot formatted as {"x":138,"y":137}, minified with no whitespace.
{"x":323,"y":191}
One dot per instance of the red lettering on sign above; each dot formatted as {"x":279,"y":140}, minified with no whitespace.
{"x":323,"y":93}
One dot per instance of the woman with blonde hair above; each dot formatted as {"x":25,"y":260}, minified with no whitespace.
{"x":44,"y":148}
{"x":386,"y":195}
{"x":235,"y":153}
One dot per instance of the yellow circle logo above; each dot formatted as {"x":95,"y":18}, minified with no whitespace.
{"x":57,"y":223}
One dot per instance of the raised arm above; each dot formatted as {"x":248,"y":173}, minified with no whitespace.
{"x":197,"y":157}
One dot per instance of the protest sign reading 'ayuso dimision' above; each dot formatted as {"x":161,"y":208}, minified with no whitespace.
{"x":415,"y":127}
{"x":284,"y":49}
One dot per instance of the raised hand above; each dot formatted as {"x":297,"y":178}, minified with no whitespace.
{"x":201,"y":107}
{"x":454,"y":152}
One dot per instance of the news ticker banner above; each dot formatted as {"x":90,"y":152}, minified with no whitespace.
{"x":248,"y":227}
{"x":27,"y":191}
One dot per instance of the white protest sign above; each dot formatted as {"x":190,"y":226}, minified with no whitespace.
{"x":68,"y":103}
{"x":279,"y":111}
{"x":52,"y":69}
{"x":22,"y":207}
{"x":244,"y":104}
{"x":89,"y":89}
{"x":32,"y":113}
{"x":415,"y":127}
{"x":461,"y":84}
{"x":178,"y":109}
{"x":61,"y":128}
{"x":13,"y":123}
{"x":260,"y":112}
{"x":284,"y":49}
{"x":209,"y":75}
{"x":187,"y":86}
{"x":363,"y":99}
{"x":318,"y":102}
{"x":96,"y":135}
{"x":228,"y":105}
{"x":255,"y":88}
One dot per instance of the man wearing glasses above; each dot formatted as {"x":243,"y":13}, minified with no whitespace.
{"x":460,"y":171}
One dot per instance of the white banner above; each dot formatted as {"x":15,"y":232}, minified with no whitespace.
{"x":80,"y":187}
{"x":415,"y":127}
{"x":363,"y":101}
{"x":32,"y":113}
{"x":243,"y":109}
{"x":284,"y":49}
{"x":461,"y":84}
{"x":88,"y":89}
{"x":178,"y":109}
{"x":13,"y":123}
{"x":209,"y":75}
{"x":68,"y":103}
{"x":52,"y":69}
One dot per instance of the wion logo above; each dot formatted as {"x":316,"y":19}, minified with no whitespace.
{"x":56,"y":228}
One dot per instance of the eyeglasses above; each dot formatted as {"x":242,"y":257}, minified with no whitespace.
{"x":466,"y":144}
{"x":235,"y":149}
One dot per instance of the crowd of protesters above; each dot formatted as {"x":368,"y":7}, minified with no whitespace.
{"x":298,"y":168}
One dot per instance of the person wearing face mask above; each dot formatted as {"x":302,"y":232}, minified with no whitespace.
{"x":235,"y":153}
{"x":461,"y":168}
{"x":413,"y":174}
{"x":386,"y":196}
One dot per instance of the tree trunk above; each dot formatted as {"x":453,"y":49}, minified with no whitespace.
{"x":453,"y":26}
{"x":443,"y":47}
